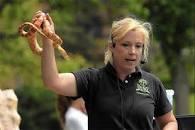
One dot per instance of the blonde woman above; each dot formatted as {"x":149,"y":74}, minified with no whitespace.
{"x":120,"y":95}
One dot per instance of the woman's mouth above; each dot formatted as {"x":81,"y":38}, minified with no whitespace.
{"x":130,"y":60}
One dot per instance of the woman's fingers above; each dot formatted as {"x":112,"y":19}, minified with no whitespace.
{"x":47,"y":26}
{"x":37,"y":15}
{"x":49,"y":19}
{"x":47,"y":22}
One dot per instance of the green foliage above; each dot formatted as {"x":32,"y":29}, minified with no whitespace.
{"x":37,"y":108}
{"x":192,"y":105}
{"x":173,"y":26}
{"x":158,"y":66}
{"x":70,"y":65}
{"x":20,"y":69}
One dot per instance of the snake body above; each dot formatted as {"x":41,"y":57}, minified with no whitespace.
{"x":34,"y":27}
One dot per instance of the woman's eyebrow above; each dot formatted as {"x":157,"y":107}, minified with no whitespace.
{"x":139,"y":43}
{"x":129,"y":42}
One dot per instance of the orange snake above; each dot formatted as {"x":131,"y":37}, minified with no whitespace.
{"x":34,"y":27}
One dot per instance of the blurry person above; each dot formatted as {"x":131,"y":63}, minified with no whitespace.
{"x":72,"y":113}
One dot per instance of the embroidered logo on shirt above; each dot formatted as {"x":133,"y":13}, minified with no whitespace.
{"x":142,"y":87}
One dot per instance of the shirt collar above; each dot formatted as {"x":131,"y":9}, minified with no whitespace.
{"x":111,"y":70}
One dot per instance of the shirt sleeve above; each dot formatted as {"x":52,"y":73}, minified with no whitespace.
{"x":162,"y":104}
{"x":85,"y":80}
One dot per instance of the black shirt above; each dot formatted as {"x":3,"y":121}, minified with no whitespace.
{"x":113,"y":104}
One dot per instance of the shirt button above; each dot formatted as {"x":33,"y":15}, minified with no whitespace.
{"x":126,"y":81}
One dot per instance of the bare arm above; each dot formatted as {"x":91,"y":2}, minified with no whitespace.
{"x":65,"y":83}
{"x":167,"y":121}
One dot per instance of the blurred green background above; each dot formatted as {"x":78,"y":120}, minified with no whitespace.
{"x":84,"y":26}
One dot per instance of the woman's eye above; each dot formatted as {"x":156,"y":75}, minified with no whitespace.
{"x":139,"y":46}
{"x":125,"y":44}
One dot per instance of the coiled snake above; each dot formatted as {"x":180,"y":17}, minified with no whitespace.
{"x":30,"y":34}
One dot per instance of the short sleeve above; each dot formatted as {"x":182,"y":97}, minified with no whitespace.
{"x":85,"y":80}
{"x":162,"y":104}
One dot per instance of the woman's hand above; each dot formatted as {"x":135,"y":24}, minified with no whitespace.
{"x":43,"y":20}
{"x":48,"y":25}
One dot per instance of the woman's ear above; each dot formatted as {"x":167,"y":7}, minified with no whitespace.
{"x":143,"y":60}
{"x":112,"y":45}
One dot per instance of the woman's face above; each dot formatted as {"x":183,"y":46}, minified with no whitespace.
{"x":127,"y":52}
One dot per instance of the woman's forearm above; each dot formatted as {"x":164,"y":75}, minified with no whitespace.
{"x":48,"y":64}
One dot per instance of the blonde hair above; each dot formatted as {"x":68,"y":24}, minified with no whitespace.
{"x":121,"y":27}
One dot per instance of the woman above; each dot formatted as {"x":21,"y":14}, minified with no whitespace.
{"x":118,"y":96}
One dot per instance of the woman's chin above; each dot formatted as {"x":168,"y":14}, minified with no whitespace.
{"x":129,"y":68}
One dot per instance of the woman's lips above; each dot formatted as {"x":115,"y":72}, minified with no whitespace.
{"x":130,"y":59}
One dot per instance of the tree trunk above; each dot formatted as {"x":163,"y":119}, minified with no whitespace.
{"x":181,"y":88}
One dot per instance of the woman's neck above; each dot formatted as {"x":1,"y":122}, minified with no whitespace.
{"x":123,"y":73}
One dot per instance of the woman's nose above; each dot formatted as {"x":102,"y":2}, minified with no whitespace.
{"x":132,"y":50}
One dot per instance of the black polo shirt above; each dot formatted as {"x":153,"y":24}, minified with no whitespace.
{"x":113,"y":104}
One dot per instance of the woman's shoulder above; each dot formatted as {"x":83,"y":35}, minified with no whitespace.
{"x":150,"y":76}
{"x":92,"y":70}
